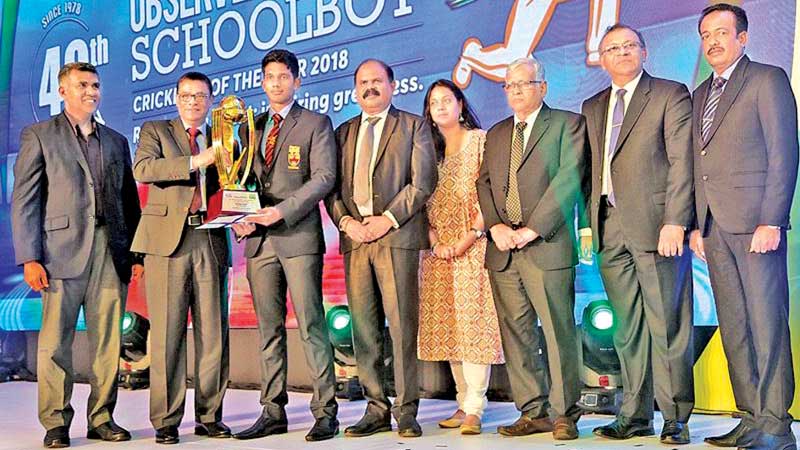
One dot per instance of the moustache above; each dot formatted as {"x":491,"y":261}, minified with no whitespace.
{"x":713,"y":49}
{"x":370,"y":91}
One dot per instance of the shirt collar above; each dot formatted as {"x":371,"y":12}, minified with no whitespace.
{"x":73,"y":124}
{"x":382,"y":115}
{"x":629,"y":87}
{"x":283,"y":112}
{"x":530,"y":118}
{"x":201,"y":129}
{"x":729,"y":71}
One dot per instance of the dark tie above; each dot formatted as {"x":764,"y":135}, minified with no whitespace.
{"x":361,"y":193}
{"x":616,"y":125}
{"x":197,"y":198}
{"x":272,"y":138}
{"x":717,"y":86}
{"x":513,"y":205}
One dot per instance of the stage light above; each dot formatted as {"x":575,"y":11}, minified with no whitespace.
{"x":134,"y":363}
{"x":600,"y":366}
{"x":341,"y":336}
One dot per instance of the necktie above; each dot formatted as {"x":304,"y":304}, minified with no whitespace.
{"x":513,"y":204}
{"x":272,"y":138}
{"x":197,"y":198}
{"x":711,"y":106}
{"x":361,"y":194}
{"x":616,"y":124}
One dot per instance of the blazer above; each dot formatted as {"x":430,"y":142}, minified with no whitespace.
{"x":651,"y":169}
{"x":302,"y":173}
{"x":745,"y":173}
{"x":53,"y":203}
{"x":162,"y":162}
{"x":404,"y":177}
{"x":549,"y":180}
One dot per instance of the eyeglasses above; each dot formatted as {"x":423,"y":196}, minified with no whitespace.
{"x":616,"y":49}
{"x":521,"y":85}
{"x":186,"y":98}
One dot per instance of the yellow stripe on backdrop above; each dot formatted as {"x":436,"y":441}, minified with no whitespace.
{"x":794,"y":240}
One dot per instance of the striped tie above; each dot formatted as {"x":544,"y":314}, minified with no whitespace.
{"x":513,"y":204}
{"x":616,"y":125}
{"x":712,"y":102}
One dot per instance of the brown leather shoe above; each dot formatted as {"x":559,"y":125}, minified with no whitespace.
{"x":564,"y":429}
{"x":526,"y":425}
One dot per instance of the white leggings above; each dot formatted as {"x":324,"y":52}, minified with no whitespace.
{"x":472,"y":380}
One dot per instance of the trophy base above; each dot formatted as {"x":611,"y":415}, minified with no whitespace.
{"x":228,"y":206}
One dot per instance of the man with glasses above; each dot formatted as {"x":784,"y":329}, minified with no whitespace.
{"x":528,"y":188}
{"x":641,"y":204}
{"x":745,"y":161}
{"x":73,"y":213}
{"x":187,"y":267}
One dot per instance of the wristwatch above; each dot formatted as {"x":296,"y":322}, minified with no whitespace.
{"x":478,"y":233}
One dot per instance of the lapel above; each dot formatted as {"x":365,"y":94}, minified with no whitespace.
{"x":67,"y":135}
{"x":289,"y":122}
{"x":503,"y":155}
{"x":388,"y":130}
{"x":641,"y":95}
{"x":698,"y":102}
{"x":540,"y":125}
{"x":732,"y":89}
{"x":600,"y":114}
{"x":180,"y":135}
{"x":350,"y":151}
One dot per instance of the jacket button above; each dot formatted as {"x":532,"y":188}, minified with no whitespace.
{"x":267,"y":185}
{"x":703,"y":153}
{"x":91,"y":184}
{"x":705,"y":177}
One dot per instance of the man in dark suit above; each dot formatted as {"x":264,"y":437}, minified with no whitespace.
{"x":295,"y":168}
{"x":745,"y":165}
{"x":641,"y":204}
{"x":528,"y":187}
{"x":74,"y":211}
{"x":186,"y":267}
{"x":387,"y":171}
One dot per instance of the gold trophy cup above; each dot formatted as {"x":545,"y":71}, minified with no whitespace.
{"x":233,"y":160}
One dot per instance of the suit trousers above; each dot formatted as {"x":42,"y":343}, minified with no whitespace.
{"x":382,"y":286}
{"x":652,"y":300}
{"x":102,"y":295}
{"x":751,"y":291}
{"x":191,"y":279}
{"x":269,"y":276}
{"x":524,"y":294}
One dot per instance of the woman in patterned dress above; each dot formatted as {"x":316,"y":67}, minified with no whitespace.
{"x":457,"y":322}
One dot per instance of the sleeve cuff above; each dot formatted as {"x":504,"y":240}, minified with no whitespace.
{"x":343,"y":221}
{"x":585,"y":232}
{"x":389,"y":214}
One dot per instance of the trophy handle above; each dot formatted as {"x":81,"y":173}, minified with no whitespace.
{"x":251,"y":144}
{"x":216,"y":142}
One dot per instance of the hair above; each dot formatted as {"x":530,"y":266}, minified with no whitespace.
{"x":533,"y":63}
{"x":284,"y":57}
{"x":194,"y":76}
{"x":741,"y":15}
{"x":389,"y":71}
{"x":69,"y":67}
{"x":622,"y":26}
{"x":470,"y":120}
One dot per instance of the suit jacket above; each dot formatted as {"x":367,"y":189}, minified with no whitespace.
{"x":404,"y":177}
{"x":162,"y":162}
{"x":549,"y":180}
{"x":53,"y":202}
{"x":302,"y":173}
{"x":745,"y":173}
{"x":651,"y":170}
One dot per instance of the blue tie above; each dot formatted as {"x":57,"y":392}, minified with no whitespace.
{"x":616,"y":125}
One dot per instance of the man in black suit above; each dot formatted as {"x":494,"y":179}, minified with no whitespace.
{"x":745,"y":164}
{"x":74,"y":210}
{"x":528,"y":188}
{"x":294,"y":169}
{"x":641,"y":204}
{"x":387,"y":171}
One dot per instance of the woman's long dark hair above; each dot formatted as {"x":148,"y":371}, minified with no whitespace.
{"x":468,"y":118}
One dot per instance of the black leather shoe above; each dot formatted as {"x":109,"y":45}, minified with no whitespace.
{"x":675,"y":433}
{"x":368,"y":425}
{"x":625,"y":428}
{"x":526,"y":425}
{"x":57,"y":437}
{"x":109,"y":431}
{"x":323,"y":429}
{"x":167,"y":435}
{"x":766,"y":441}
{"x":740,"y":436}
{"x":407,"y":426}
{"x":216,"y":430}
{"x":264,"y":426}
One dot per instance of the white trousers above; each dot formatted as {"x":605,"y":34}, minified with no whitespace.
{"x":472,"y":380}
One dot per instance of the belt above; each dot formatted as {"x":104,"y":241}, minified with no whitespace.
{"x":195,"y":220}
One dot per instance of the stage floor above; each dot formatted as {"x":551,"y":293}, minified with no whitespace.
{"x":20,"y":429}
